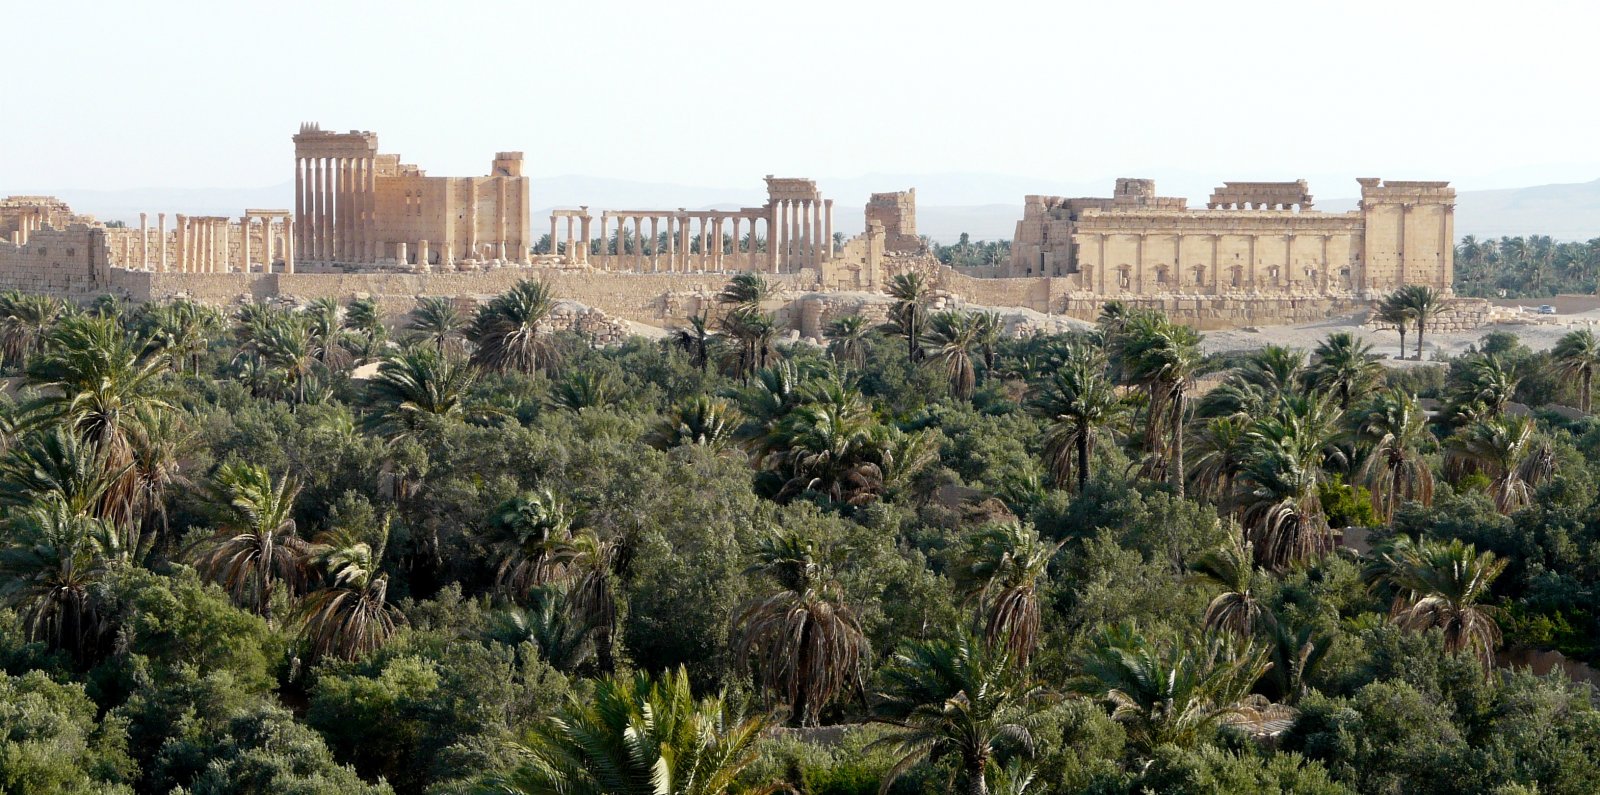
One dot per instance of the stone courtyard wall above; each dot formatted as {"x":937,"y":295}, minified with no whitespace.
{"x":667,"y":300}
{"x":69,"y":263}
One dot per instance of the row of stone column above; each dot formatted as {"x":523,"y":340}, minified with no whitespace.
{"x":577,"y":245}
{"x":687,"y":248}
{"x":26,"y":226}
{"x":804,"y":233}
{"x":336,"y":202}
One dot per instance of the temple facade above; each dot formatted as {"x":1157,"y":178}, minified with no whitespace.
{"x":1252,"y":238}
{"x":358,"y":209}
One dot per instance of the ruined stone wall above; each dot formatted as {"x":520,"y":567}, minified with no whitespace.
{"x":68,"y":263}
{"x":898,"y":213}
{"x":124,"y":248}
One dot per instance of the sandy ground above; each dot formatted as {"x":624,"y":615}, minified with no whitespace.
{"x":1539,"y":333}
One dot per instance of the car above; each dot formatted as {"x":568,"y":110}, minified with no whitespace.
{"x":1546,"y":309}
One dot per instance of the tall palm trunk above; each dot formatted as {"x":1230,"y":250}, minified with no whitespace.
{"x":1421,"y":323}
{"x":1402,"y":328}
{"x":976,"y":783}
{"x":1179,"y":397}
{"x":1083,"y":457}
{"x":1586,"y":390}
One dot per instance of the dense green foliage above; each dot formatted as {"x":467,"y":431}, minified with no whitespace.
{"x":1526,"y":267}
{"x":924,"y":559}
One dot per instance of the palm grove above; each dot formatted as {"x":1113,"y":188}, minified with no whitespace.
{"x":928,"y":558}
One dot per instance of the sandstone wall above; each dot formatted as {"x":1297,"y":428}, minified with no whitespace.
{"x":69,"y":263}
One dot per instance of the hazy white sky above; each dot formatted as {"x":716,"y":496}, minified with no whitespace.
{"x":207,"y":94}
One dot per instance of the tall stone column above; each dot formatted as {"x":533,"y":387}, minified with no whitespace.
{"x":555,"y":247}
{"x":330,"y":210}
{"x":774,"y":236}
{"x":583,"y":248}
{"x":605,"y":240}
{"x":808,"y":241}
{"x":819,"y":244}
{"x":178,"y":232}
{"x":244,"y":243}
{"x":685,"y":232}
{"x":144,"y":242}
{"x":655,"y":244}
{"x":638,"y":243}
{"x":266,"y":244}
{"x":472,"y":221}
{"x":716,"y":246}
{"x":313,"y":231}
{"x":288,"y":244}
{"x":372,"y":209}
{"x":300,"y":192}
{"x":736,"y":257}
{"x":341,"y":209}
{"x":827,"y":231}
{"x":161,"y":238}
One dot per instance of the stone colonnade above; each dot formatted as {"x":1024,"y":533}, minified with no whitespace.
{"x":205,"y":243}
{"x":285,"y":239}
{"x":804,"y":233}
{"x":335,"y":199}
{"x":26,"y":226}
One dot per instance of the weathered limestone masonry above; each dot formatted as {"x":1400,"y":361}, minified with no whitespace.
{"x":359,"y":210}
{"x":71,"y":263}
{"x":897,"y":212}
{"x":1254,"y":239}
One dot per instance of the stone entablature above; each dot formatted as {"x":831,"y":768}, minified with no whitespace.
{"x":1260,"y":238}
{"x":1261,"y":196}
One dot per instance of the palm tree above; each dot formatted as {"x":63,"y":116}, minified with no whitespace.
{"x":1080,"y":403}
{"x":1421,"y":302}
{"x":990,"y":330}
{"x":1296,"y":653}
{"x":955,"y":699}
{"x":696,"y":341}
{"x":847,"y":339}
{"x":24,"y":320}
{"x":291,"y":344}
{"x":160,"y":442}
{"x":1503,"y":449}
{"x":507,"y":330}
{"x":1283,"y":467}
{"x":1174,"y":692}
{"x":1483,"y":381}
{"x":1392,"y":428}
{"x":417,"y":388}
{"x":746,"y":291}
{"x":255,"y":547}
{"x":1236,"y":610}
{"x":98,"y":383}
{"x":826,"y":446}
{"x":1577,"y":356}
{"x":1439,"y":585}
{"x":1345,"y":366}
{"x":182,"y":331}
{"x":754,"y":331}
{"x":1162,"y":357}
{"x":51,"y":559}
{"x":591,"y":594}
{"x":637,"y":736}
{"x":702,"y":420}
{"x":55,"y":465}
{"x":547,"y":623}
{"x":1002,"y":570}
{"x":530,"y":534}
{"x":907,"y":317}
{"x":436,"y":319}
{"x":350,"y":616}
{"x":949,"y":340}
{"x":1222,"y":447}
{"x":803,"y":640}
{"x":1395,"y":312}
{"x":1257,"y":386}
{"x":585,"y":389}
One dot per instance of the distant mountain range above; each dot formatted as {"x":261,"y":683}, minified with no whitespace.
{"x":986,"y":206}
